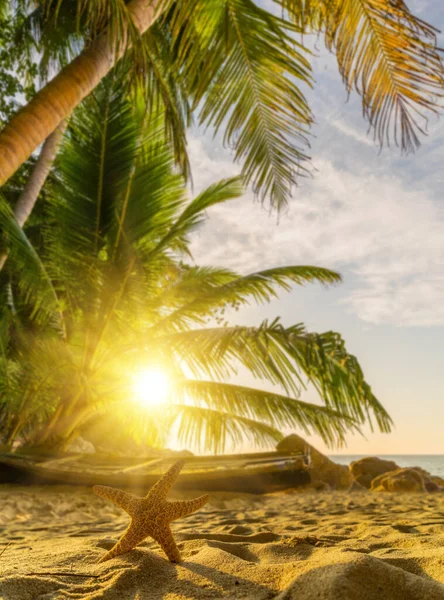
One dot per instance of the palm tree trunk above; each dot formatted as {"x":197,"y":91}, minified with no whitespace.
{"x":35,"y":122}
{"x":41,"y":170}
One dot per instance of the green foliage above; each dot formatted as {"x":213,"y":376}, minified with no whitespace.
{"x":18,"y":68}
{"x":116,"y":295}
{"x":240,"y":69}
{"x":246,"y":72}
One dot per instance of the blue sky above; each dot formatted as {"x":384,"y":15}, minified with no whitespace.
{"x":377,"y":218}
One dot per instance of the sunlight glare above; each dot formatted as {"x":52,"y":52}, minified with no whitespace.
{"x":151,"y":388}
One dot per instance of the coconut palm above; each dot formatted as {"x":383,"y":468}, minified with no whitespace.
{"x":115,"y":293}
{"x":240,"y":68}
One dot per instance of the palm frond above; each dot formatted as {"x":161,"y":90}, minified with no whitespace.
{"x":244,"y":70}
{"x":287,"y":357}
{"x":216,"y":352}
{"x":386,"y":54}
{"x":338,"y":377}
{"x":25,"y":263}
{"x":260,"y":287}
{"x":95,"y":162}
{"x":194,"y":213}
{"x":182,"y":284}
{"x":274,"y":409}
{"x":210,"y":429}
{"x":164,"y":91}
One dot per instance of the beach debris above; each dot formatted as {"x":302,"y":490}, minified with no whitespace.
{"x":151,"y":515}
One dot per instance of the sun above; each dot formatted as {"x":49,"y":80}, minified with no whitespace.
{"x":151,"y":387}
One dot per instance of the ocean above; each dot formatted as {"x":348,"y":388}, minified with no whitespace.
{"x":433,"y":463}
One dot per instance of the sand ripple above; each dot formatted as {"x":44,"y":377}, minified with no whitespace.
{"x":293,"y":546}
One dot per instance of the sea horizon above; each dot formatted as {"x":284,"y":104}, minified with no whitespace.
{"x":433,"y":463}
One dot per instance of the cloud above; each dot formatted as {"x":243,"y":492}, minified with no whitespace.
{"x":376,"y":217}
{"x":384,"y":234}
{"x":356,"y":135}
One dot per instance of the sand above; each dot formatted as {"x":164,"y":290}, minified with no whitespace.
{"x":292,"y":546}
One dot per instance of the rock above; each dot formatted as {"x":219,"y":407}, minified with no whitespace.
{"x":365,"y":480}
{"x":357,"y":487}
{"x":433,"y":483}
{"x":322,"y":468}
{"x":81,"y":446}
{"x":431,"y":486}
{"x":423,"y":472}
{"x":400,"y":480}
{"x":366,"y":469}
{"x":438,"y":480}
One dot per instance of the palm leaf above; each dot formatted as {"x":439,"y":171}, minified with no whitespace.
{"x":25,"y":263}
{"x":211,"y":429}
{"x":338,"y":377}
{"x":260,"y":286}
{"x":386,"y":54}
{"x":193,"y":215}
{"x":164,"y":91}
{"x":243,"y":68}
{"x":274,"y":409}
{"x":287,"y":357}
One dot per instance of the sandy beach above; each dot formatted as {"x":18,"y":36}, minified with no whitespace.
{"x":295,"y":545}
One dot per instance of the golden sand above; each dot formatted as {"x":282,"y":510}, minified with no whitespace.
{"x":292,"y":546}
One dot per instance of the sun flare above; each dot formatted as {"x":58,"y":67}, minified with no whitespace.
{"x":151,"y":388}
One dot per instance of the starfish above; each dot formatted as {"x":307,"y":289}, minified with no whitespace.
{"x":151,"y":515}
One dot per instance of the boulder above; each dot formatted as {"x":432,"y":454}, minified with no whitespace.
{"x":322,"y":468}
{"x":438,"y":480}
{"x":433,"y":483}
{"x":366,"y":469}
{"x":431,"y":486}
{"x":400,"y":480}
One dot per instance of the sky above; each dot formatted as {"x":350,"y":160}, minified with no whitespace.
{"x":378,"y":219}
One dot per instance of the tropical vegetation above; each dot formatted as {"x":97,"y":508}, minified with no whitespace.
{"x":103,"y":283}
{"x":231,"y":65}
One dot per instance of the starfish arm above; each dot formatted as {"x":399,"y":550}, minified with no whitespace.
{"x":163,"y":486}
{"x":164,"y":537}
{"x":127,"y":542}
{"x":182,"y":508}
{"x":120,"y":498}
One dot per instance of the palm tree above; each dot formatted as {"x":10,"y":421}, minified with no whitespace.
{"x":115,"y":293}
{"x":234,"y":65}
